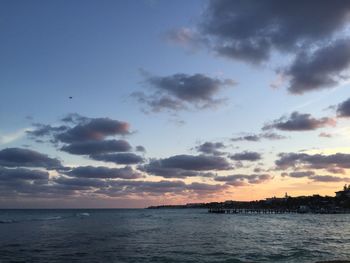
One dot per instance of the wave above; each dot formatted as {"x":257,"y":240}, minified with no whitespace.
{"x":82,"y":214}
{"x":7,"y":221}
{"x":49,"y":218}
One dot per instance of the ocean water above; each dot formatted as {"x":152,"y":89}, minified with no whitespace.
{"x":188,"y":235}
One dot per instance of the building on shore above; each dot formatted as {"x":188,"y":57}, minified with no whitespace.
{"x":344,"y":193}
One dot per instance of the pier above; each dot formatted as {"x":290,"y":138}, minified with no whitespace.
{"x":275,"y":211}
{"x":250,"y":211}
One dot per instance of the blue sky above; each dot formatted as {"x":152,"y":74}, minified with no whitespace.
{"x":101,"y":52}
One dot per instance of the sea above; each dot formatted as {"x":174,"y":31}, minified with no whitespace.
{"x":170,"y":235}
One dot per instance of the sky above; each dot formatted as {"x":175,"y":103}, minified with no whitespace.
{"x":117,"y":104}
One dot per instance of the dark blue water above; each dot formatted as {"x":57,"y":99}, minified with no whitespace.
{"x":190,"y":235}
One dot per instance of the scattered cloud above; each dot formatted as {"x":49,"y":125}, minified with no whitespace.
{"x":316,"y":178}
{"x":118,"y":158}
{"x":313,"y":161}
{"x":94,"y":129}
{"x":97,"y":147}
{"x":299,"y":122}
{"x":182,"y":166}
{"x":19,"y":157}
{"x":212,"y":148}
{"x":258,"y":137}
{"x":322,"y":69}
{"x":251,"y":31}
{"x":182,"y":91}
{"x":246,"y":156}
{"x":343,"y":109}
{"x":103,"y":172}
{"x":243,"y":179}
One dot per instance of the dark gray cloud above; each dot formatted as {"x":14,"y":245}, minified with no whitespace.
{"x":329,"y":178}
{"x":154,"y":167}
{"x":196,"y":162}
{"x":97,"y":147}
{"x":299,"y":122}
{"x":257,"y":137}
{"x":316,"y":178}
{"x":211,"y":148}
{"x":321,"y":69}
{"x":249,"y":138}
{"x":159,"y":188}
{"x":118,"y":158}
{"x":244,"y":179}
{"x":83,"y":129}
{"x":19,"y":157}
{"x":104,"y":172}
{"x":87,"y":136}
{"x":15,"y":174}
{"x":42,"y":130}
{"x":246,"y":156}
{"x":80,"y":183}
{"x":181,"y":91}
{"x":299,"y":174}
{"x":253,"y":30}
{"x":202,"y":187}
{"x":140,"y":148}
{"x":93,"y":181}
{"x":94,"y":129}
{"x":343,"y":109}
{"x":250,"y":30}
{"x":315,"y":161}
{"x":182,"y":166}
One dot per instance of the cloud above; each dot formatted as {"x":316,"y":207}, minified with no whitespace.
{"x":325,"y":135}
{"x":321,"y":69}
{"x":118,"y":158}
{"x":80,"y":183}
{"x":211,"y":148}
{"x":243,"y":179}
{"x":17,"y":174}
{"x":75,"y":118}
{"x":42,"y":130}
{"x":182,"y":166}
{"x":299,"y":122}
{"x":97,"y":147}
{"x":257,"y":137}
{"x":83,"y":129}
{"x":94,"y":182}
{"x":316,"y":178}
{"x":299,"y":174}
{"x":19,"y":157}
{"x":104,"y":172}
{"x":94,"y":129}
{"x":140,"y":148}
{"x":329,"y":178}
{"x":251,"y":30}
{"x":246,"y":156}
{"x":182,"y":91}
{"x":160,"y":188}
{"x":316,"y":161}
{"x":87,"y":136}
{"x":196,"y":163}
{"x":343,"y":109}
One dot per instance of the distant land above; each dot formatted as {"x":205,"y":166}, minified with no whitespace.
{"x":340,"y":203}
